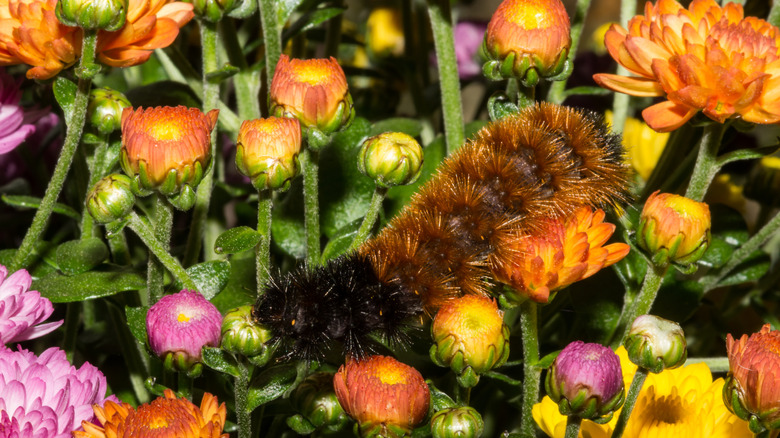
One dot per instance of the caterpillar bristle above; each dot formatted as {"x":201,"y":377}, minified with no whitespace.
{"x":542,"y":163}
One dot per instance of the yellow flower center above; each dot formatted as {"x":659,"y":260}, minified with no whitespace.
{"x":313,"y":74}
{"x":182,"y":318}
{"x":391,"y":375}
{"x":167,"y":131}
{"x":667,"y":410}
{"x":529,"y":16}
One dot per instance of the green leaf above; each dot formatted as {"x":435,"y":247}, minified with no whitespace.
{"x":163,"y":93}
{"x":285,"y":10}
{"x":218,"y":359}
{"x":287,"y":228}
{"x":747,"y":154}
{"x":237,"y":239}
{"x":587,"y":91}
{"x":310,"y":20}
{"x":79,"y":256}
{"x":750,"y":270}
{"x":349,"y":192}
{"x":270,"y":385}
{"x":718,"y":253}
{"x":439,"y":400}
{"x":240,"y":289}
{"x":219,"y":76}
{"x":89,"y":285}
{"x":473,"y":127}
{"x":210,"y":277}
{"x":341,"y":240}
{"x":35,"y":203}
{"x":300,"y":425}
{"x":400,"y":196}
{"x":65,"y":93}
{"x":547,"y":361}
{"x":500,"y":106}
{"x":136,"y":322}
{"x":412,"y":127}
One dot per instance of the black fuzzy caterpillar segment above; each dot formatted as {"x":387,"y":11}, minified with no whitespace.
{"x":544,"y":162}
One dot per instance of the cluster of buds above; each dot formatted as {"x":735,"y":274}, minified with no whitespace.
{"x":167,"y":149}
{"x":656,"y":344}
{"x":586,"y":381}
{"x":674,"y":229}
{"x":384,"y":396}
{"x":315,"y":92}
{"x":527,"y":40}
{"x":106,"y":15}
{"x":267,"y":152}
{"x":391,"y":159}
{"x":470,"y":337}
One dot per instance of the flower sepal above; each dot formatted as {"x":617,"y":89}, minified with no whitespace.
{"x":527,"y":68}
{"x":757,"y":423}
{"x":107,"y":15}
{"x":380,"y":430}
{"x":184,"y":200}
{"x":138,"y":188}
{"x":242,"y":335}
{"x":180,"y":361}
{"x":591,"y":408}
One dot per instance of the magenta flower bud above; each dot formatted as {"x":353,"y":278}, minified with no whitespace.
{"x":586,"y":380}
{"x":179,"y":326}
{"x":22,"y":310}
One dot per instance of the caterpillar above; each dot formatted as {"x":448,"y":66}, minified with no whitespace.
{"x":543,"y":162}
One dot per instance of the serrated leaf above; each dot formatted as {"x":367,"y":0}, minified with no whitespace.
{"x":218,"y":359}
{"x":210,"y":277}
{"x":750,"y":270}
{"x":65,"y":93}
{"x":412,"y":127}
{"x":270,"y":385}
{"x":236,"y":240}
{"x":136,"y":322}
{"x":341,"y":240}
{"x":78,"y":256}
{"x":94,"y":284}
{"x":34,"y":203}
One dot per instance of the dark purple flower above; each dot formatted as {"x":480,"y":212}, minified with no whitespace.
{"x":21,"y":310}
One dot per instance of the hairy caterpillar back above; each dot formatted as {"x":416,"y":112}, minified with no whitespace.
{"x":543,"y":162}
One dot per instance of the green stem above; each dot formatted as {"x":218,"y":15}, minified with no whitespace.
{"x":163,"y":222}
{"x":310,"y":166}
{"x":247,"y":82}
{"x":529,"y":324}
{"x":184,"y":385}
{"x":642,"y":303}
{"x":75,"y":119}
{"x":557,"y":93}
{"x":144,"y":231}
{"x":628,"y":406}
{"x":620,"y":101}
{"x":452,"y":107}
{"x":96,"y":172}
{"x":715,"y":364}
{"x":462,"y":395}
{"x":572,"y":426}
{"x":272,"y":37}
{"x":241,"y":389}
{"x":774,"y":14}
{"x":117,"y":243}
{"x":263,"y":249}
{"x":743,"y":252}
{"x":132,"y":352}
{"x":368,"y":221}
{"x":209,"y":38}
{"x":72,"y":322}
{"x":526,"y":96}
{"x":706,"y":162}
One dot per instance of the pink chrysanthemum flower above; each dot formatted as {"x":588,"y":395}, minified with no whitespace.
{"x":15,"y":126}
{"x":45,"y":396}
{"x":180,"y":325}
{"x":21,"y":310}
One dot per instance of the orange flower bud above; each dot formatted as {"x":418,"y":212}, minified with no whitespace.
{"x":313,"y":91}
{"x":752,"y":389}
{"x":470,"y":337}
{"x":674,"y":229}
{"x":166,"y":148}
{"x":382,"y":394}
{"x":559,"y":253}
{"x":527,"y":39}
{"x":267,"y":151}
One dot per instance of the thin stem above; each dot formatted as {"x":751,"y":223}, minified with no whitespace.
{"x":209,"y":40}
{"x":443,"y":39}
{"x":241,"y":389}
{"x":247,"y":82}
{"x":272,"y":37}
{"x":628,"y":406}
{"x":132,"y":353}
{"x":557,"y":92}
{"x":529,"y":324}
{"x":620,"y":102}
{"x":526,"y":96}
{"x":642,"y":303}
{"x":144,"y":231}
{"x":572,"y":426}
{"x":310,"y":166}
{"x":715,"y":364}
{"x":706,"y":163}
{"x":263,"y":249}
{"x":184,"y":385}
{"x":73,"y":320}
{"x":743,"y":252}
{"x":774,"y":14}
{"x":163,"y":222}
{"x":462,"y":395}
{"x":368,"y":221}
{"x":75,"y":121}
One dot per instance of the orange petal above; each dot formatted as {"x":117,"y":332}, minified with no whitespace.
{"x":667,"y":116}
{"x":634,"y":86}
{"x":643,"y":52}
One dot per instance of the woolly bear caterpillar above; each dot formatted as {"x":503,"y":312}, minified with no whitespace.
{"x":543,"y":162}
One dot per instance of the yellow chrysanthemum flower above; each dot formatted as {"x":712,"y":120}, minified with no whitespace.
{"x":643,"y":145}
{"x":683,"y":402}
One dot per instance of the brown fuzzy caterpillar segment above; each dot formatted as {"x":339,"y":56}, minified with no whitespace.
{"x":544,"y":162}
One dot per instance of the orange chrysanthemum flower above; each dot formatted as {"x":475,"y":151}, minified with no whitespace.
{"x":165,"y":417}
{"x":705,"y":58}
{"x":753,"y":385}
{"x":166,"y":147}
{"x":313,"y":91}
{"x":31,"y":34}
{"x":380,"y":392}
{"x":559,"y":253}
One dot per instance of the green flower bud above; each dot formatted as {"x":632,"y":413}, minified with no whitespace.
{"x":92,"y":14}
{"x":111,"y":198}
{"x":242,"y":335}
{"x":104,"y":111}
{"x":656,"y":344}
{"x":464,"y":422}
{"x":316,"y":400}
{"x":212,"y":10}
{"x":267,"y":152}
{"x":391,"y":159}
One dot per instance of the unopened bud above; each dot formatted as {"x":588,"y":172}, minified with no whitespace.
{"x":111,"y":198}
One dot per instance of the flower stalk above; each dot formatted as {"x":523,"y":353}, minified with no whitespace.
{"x":263,"y":250}
{"x":643,"y":302}
{"x":573,"y":426}
{"x":241,"y":389}
{"x":370,"y":218}
{"x":271,"y":36}
{"x":145,"y":232}
{"x":310,"y":166}
{"x":163,"y":222}
{"x":706,"y":162}
{"x":529,"y":325}
{"x":557,"y":93}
